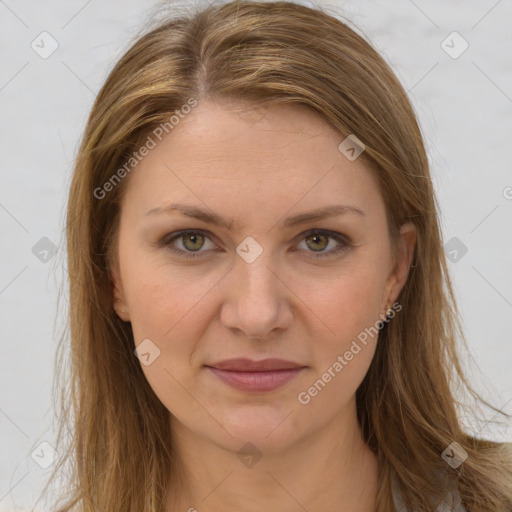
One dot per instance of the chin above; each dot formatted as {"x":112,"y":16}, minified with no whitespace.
{"x":269,"y":427}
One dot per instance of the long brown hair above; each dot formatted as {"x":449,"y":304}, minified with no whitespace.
{"x":119,"y":454}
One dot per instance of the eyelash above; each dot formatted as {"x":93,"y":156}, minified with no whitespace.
{"x":342,"y":239}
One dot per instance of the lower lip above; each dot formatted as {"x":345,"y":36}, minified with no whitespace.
{"x":256,"y":381}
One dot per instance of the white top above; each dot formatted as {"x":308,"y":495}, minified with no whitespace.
{"x":444,"y":507}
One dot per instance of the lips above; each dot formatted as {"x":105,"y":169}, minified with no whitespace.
{"x":255,"y":376}
{"x":248,"y":365}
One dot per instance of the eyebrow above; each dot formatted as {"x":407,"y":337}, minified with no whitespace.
{"x":211,"y":217}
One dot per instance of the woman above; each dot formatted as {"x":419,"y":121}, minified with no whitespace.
{"x":261,"y":315}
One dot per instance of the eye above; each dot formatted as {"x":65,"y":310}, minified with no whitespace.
{"x":318,"y":241}
{"x":192,"y":241}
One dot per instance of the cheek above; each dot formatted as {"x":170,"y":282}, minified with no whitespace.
{"x":167,"y":308}
{"x":345,"y":304}
{"x":166,"y":311}
{"x":163,"y":298}
{"x":349,"y":308}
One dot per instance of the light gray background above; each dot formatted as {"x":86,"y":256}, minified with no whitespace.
{"x":465,"y":109}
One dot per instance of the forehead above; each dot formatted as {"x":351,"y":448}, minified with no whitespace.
{"x":234,"y":156}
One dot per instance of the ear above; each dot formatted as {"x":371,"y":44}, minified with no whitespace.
{"x":404,"y":255}
{"x":120,"y":304}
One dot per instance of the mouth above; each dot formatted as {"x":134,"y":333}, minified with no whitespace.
{"x":255,"y":376}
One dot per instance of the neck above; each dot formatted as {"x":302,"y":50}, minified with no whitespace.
{"x":330,"y":470}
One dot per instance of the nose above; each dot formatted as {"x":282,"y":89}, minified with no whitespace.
{"x":256,"y":301}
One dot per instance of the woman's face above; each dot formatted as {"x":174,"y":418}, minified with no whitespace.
{"x":252,"y":281}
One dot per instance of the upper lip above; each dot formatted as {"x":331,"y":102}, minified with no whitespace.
{"x":248,"y":365}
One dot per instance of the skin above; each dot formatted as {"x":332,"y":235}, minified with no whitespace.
{"x":258,"y":167}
